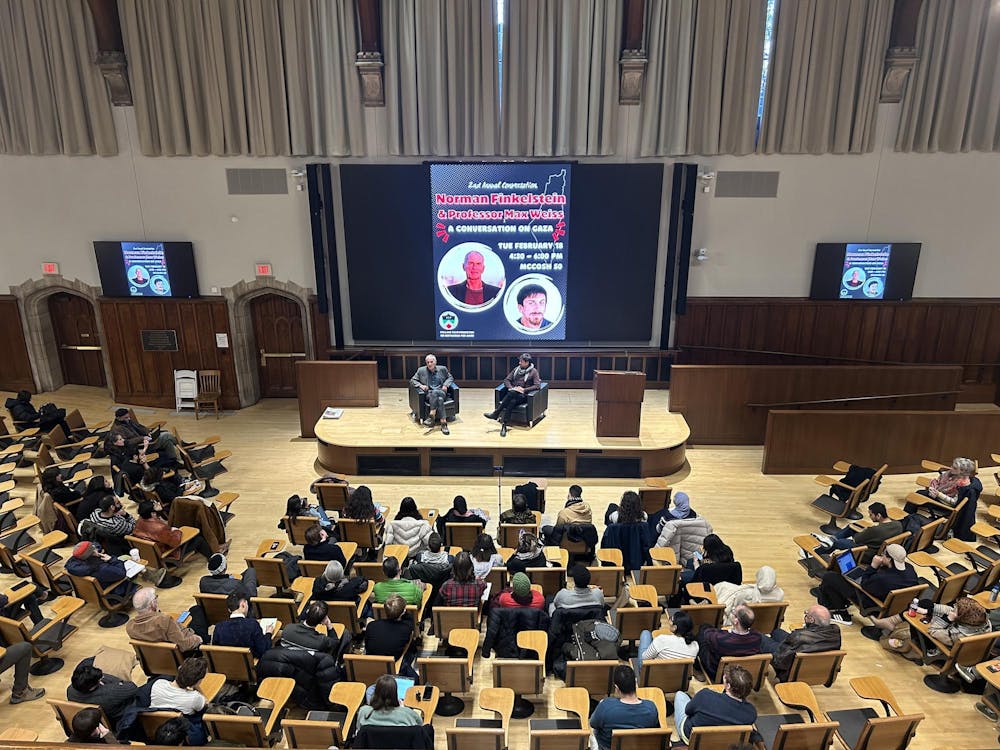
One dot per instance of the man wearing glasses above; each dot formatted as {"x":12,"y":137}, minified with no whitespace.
{"x":818,"y":633}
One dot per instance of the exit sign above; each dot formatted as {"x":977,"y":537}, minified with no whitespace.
{"x":50,"y":268}
{"x":264,"y":269}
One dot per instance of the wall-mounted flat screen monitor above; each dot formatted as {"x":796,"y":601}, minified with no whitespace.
{"x":864,"y":270}
{"x":147,"y":269}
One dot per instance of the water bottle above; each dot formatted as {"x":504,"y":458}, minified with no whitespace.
{"x":913,"y":607}
{"x":994,"y":592}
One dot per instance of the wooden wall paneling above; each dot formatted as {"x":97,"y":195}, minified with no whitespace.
{"x":15,"y":365}
{"x":799,"y":331}
{"x":146,"y":378}
{"x":806,"y":442}
{"x":714,"y":398}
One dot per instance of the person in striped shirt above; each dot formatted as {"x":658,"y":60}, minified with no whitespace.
{"x":681,"y":644}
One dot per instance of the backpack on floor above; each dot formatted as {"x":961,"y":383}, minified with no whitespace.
{"x":593,"y":640}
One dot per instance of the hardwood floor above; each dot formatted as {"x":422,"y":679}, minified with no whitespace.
{"x":756,"y":514}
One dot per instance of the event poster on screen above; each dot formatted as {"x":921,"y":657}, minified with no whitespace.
{"x":146,"y":269}
{"x":865,"y":269}
{"x":501,"y":250}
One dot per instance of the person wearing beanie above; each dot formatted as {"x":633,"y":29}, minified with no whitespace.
{"x":520,"y":594}
{"x":88,"y":559}
{"x":218,"y":580}
{"x":332,"y":586}
{"x":576,"y":509}
{"x":580,"y":595}
{"x":887,"y":572}
{"x":882,"y":528}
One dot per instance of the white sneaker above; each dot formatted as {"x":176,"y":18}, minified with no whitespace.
{"x":803,"y":554}
{"x":841,"y":617}
{"x":826,"y":541}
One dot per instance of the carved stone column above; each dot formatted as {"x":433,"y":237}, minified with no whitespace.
{"x":899,"y":63}
{"x":115,"y":72}
{"x":369,"y":65}
{"x":631,"y":74}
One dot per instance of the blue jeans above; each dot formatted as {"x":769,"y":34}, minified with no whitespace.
{"x":681,"y":699}
{"x":645,"y":641}
{"x":320,"y":512}
{"x":844,"y":539}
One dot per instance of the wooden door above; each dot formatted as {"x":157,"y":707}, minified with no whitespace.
{"x":75,"y":327}
{"x":277,"y":329}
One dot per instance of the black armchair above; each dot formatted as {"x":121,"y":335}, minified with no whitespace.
{"x":420,"y":410}
{"x":530,"y":412}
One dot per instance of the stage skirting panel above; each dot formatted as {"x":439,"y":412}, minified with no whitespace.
{"x":386,"y":441}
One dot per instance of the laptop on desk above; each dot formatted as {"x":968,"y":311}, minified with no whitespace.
{"x":849,"y":567}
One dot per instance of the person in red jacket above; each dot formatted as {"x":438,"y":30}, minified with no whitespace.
{"x":520,"y":594}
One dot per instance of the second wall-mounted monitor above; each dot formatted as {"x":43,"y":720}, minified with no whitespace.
{"x":864,"y":270}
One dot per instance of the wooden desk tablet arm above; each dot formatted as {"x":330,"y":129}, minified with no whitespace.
{"x":799,"y":695}
{"x":873,"y":688}
{"x":278,"y":690}
{"x":62,"y":609}
{"x":350,"y":695}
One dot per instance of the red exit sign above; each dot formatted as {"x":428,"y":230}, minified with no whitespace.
{"x":50,"y":268}
{"x":264,"y":269}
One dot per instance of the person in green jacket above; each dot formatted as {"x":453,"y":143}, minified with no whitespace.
{"x":411,"y":591}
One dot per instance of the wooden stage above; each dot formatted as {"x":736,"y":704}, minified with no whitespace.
{"x":384,"y":440}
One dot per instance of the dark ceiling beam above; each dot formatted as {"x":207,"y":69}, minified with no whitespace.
{"x":110,"y":56}
{"x":369,"y":58}
{"x":632,"y":61}
{"x":902,"y":54}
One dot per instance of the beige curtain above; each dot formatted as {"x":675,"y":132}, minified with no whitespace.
{"x":725,"y":80}
{"x":560,"y":77}
{"x":826,"y":71}
{"x":324,"y":98}
{"x":663,"y":122}
{"x":53,"y":99}
{"x":207,"y":76}
{"x":440,"y":77}
{"x":952,"y":101}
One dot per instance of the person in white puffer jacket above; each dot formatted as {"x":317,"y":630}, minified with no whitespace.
{"x":684,"y":535}
{"x":409,"y":528}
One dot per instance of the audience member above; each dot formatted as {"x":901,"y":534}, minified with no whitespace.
{"x":576,"y":509}
{"x":152,"y":525}
{"x":628,"y":531}
{"x":24,"y":414}
{"x":163,"y":442}
{"x":173,"y":732}
{"x":765,"y":588}
{"x":949,"y":486}
{"x":18,"y":655}
{"x":520,"y":594}
{"x":385,"y":709}
{"x":872,"y":537}
{"x":28,"y":603}
{"x":624,"y":710}
{"x":297,"y":506}
{"x":91,"y":685}
{"x":530,"y":554}
{"x":218,"y":580}
{"x":818,"y":633}
{"x":460,"y":513}
{"x":628,"y":510}
{"x":392,"y":635}
{"x":150,"y":624}
{"x":333,"y":586}
{"x":684,"y":535}
{"x":887,"y":573}
{"x":241,"y":631}
{"x":580,"y":595}
{"x":518,"y":512}
{"x":304,"y":635}
{"x":128,"y":457}
{"x":714,"y":564}
{"x":89,"y":560}
{"x":714,"y":643}
{"x":320,"y":546}
{"x":361,"y":506}
{"x":709,"y":708}
{"x":181,"y":694}
{"x":485,"y":556}
{"x":88,"y":729}
{"x":97,"y":490}
{"x":111,"y":519}
{"x":435,"y":554}
{"x":463,"y":589}
{"x":167,"y":489}
{"x":412,"y":592}
{"x":680,"y":644}
{"x":409,"y":528}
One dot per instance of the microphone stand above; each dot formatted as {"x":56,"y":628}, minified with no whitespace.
{"x":499,"y":473}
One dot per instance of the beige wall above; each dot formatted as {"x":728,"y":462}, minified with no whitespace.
{"x":52,"y":208}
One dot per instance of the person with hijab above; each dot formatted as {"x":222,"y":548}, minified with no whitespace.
{"x":530,"y":554}
{"x":764,"y":589}
{"x":682,"y":506}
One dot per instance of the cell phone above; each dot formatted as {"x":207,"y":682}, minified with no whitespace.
{"x":428,"y":692}
{"x":20,"y":585}
{"x":183,"y":615}
{"x":993,"y":668}
{"x":275,"y":545}
{"x":708,"y":586}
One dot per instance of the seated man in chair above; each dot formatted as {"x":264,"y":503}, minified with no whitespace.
{"x":434,"y":382}
{"x":521,"y":381}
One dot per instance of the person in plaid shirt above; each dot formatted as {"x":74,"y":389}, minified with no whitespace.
{"x":463,"y":589}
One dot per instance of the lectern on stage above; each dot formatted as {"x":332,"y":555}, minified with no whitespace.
{"x":618,"y":402}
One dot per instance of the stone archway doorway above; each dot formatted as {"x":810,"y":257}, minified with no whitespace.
{"x":246,"y":351}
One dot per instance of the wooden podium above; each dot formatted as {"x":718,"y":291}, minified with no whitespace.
{"x":618,"y":402}
{"x":322,"y":384}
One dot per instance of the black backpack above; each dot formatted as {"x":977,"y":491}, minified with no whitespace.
{"x":593,"y":640}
